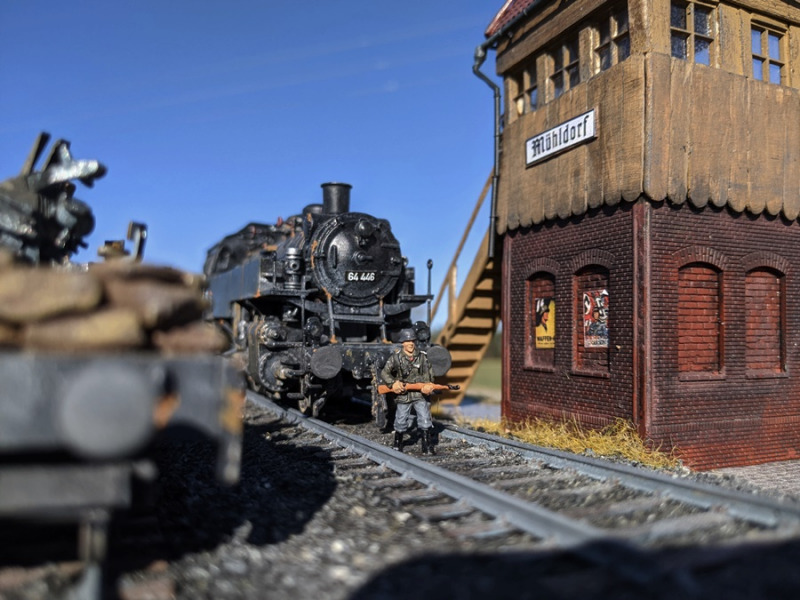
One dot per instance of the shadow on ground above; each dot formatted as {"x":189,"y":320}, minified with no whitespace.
{"x":602,"y":571}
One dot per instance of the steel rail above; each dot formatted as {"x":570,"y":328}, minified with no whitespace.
{"x":528,"y":517}
{"x":759,"y":509}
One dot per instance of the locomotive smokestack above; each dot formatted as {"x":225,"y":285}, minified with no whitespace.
{"x":336,"y":198}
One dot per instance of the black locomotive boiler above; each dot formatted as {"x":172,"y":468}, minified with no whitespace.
{"x":314,"y":304}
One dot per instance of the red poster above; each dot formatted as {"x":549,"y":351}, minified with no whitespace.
{"x":595,"y":319}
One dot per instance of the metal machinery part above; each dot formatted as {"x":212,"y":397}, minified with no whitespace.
{"x":314,"y":303}
{"x":40,"y":220}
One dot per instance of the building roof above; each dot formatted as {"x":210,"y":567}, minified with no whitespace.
{"x":510,"y":10}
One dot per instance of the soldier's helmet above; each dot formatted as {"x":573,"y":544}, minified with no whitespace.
{"x":407,"y":335}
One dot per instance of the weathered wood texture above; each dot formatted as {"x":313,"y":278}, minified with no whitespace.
{"x":729,"y":140}
{"x":551,"y":20}
{"x":668,"y":129}
{"x":599,"y":172}
{"x":649,"y":21}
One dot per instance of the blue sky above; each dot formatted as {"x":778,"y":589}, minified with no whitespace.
{"x":210,"y":115}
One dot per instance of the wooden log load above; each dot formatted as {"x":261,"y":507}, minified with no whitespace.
{"x":118,"y":305}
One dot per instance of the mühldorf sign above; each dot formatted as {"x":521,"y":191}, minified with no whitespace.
{"x":560,"y":138}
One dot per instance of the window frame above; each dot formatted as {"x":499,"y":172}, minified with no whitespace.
{"x":766,"y":28}
{"x":598,"y":276}
{"x":563,"y":66}
{"x":524,"y":84}
{"x":720,"y":371}
{"x":781,"y":370}
{"x":515,"y":85}
{"x":689,"y":31}
{"x":538,"y":359}
{"x":616,"y":34}
{"x":531,"y":85}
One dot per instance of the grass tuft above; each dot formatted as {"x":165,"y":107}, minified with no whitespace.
{"x":617,"y":440}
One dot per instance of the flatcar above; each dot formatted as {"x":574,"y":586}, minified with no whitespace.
{"x":314,"y":304}
{"x":100,"y":363}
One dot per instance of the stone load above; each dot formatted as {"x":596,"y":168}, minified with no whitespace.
{"x":113,"y":306}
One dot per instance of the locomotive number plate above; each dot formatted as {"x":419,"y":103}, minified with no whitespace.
{"x":360,"y":275}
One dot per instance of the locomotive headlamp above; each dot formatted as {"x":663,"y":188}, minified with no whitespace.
{"x":365,"y":228}
{"x":423,"y":332}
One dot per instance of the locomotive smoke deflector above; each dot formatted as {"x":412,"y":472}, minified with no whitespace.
{"x":336,"y":198}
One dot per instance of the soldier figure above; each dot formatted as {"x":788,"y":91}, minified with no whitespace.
{"x":404,"y":366}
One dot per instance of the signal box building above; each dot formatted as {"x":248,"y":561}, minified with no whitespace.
{"x":648,"y":205}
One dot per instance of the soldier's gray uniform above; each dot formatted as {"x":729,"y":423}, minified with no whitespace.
{"x":418,"y":369}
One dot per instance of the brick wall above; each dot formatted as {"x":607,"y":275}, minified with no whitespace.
{"x":718,"y":376}
{"x":588,"y":253}
{"x":747,"y":409}
{"x":699,"y":320}
{"x":764,"y":319}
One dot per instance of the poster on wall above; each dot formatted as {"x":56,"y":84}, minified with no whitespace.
{"x":545,"y":333}
{"x":595,"y":319}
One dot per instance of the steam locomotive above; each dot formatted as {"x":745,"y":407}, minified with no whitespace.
{"x":314,"y":304}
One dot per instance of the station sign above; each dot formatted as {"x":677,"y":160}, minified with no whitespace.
{"x":560,"y":138}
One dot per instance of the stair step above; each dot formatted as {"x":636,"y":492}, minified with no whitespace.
{"x":464,"y":358}
{"x":471,"y":322}
{"x":460,"y":373}
{"x":486,"y":293}
{"x":478,"y":331}
{"x":472,"y":348}
{"x":469,"y":339}
{"x":489,"y":283}
{"x":484,"y":303}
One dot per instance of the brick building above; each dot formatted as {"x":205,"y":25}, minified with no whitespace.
{"x":648,"y":201}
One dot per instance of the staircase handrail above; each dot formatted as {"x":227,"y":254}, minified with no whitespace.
{"x":449,"y":281}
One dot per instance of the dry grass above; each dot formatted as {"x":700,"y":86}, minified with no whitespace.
{"x":618,"y":440}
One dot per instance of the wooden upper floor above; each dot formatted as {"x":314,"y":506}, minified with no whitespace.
{"x":696,"y":101}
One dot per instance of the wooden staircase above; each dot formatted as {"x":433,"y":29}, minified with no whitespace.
{"x":473,"y":316}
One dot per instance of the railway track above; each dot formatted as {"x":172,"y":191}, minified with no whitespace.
{"x":483,"y":486}
{"x":325,"y":514}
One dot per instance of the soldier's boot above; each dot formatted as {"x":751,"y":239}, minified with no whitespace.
{"x":398,"y":441}
{"x":427,"y":445}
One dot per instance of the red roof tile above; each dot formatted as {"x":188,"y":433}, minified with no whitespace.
{"x":510,"y":10}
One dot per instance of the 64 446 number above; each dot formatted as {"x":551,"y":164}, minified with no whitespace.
{"x":360,"y":275}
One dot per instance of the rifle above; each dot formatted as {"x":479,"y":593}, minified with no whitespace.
{"x":417,"y":387}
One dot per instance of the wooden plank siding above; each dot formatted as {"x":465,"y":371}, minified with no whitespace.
{"x":668,"y":129}
{"x":561,"y":186}
{"x":791,"y":174}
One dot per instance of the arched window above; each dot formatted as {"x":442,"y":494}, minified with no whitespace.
{"x":764,"y":320}
{"x":592,"y":326}
{"x":700,"y":319}
{"x":540,"y":322}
